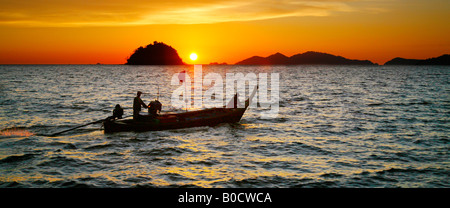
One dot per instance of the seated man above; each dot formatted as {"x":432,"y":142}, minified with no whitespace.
{"x":154,"y":108}
{"x":117,"y":112}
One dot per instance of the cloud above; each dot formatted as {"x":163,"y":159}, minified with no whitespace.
{"x":244,"y":11}
{"x":135,"y":12}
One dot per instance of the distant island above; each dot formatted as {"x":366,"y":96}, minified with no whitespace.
{"x":157,"y":53}
{"x":441,"y":60}
{"x":216,"y":63}
{"x":308,"y":58}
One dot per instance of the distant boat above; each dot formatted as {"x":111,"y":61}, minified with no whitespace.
{"x":206,"y":117}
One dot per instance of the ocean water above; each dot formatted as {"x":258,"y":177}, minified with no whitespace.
{"x":337,"y":126}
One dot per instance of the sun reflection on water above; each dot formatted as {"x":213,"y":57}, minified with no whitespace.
{"x":21,"y":132}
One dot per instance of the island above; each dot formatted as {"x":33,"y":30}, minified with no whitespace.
{"x":217,"y":63}
{"x":441,"y":60}
{"x":307,"y":58}
{"x":157,"y":53}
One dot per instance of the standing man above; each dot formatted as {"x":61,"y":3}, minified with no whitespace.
{"x":137,"y":103}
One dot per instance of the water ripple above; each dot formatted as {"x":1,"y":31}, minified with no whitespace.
{"x":338,"y":126}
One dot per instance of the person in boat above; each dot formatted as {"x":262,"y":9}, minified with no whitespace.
{"x":137,"y":103}
{"x":154,"y":108}
{"x":117,"y":112}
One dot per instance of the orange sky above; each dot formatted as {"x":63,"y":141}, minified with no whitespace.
{"x":108,"y":31}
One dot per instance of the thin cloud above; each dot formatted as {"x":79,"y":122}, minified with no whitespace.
{"x":133,"y":12}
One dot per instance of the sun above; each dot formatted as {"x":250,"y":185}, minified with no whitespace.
{"x":193,"y":56}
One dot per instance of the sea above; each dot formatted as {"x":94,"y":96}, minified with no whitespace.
{"x":337,"y":126}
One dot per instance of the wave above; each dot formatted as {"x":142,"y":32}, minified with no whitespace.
{"x":165,"y":151}
{"x":393,"y":171}
{"x":69,"y":164}
{"x":375,"y":104}
{"x":308,"y":149}
{"x":276,"y":182}
{"x":422,"y":102}
{"x":65,"y":184}
{"x":12,"y":184}
{"x":99,"y":146}
{"x":17,"y":158}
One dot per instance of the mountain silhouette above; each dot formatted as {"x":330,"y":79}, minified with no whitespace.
{"x":254,"y":60}
{"x":278,"y":59}
{"x":402,"y":61}
{"x":308,"y":58}
{"x":441,"y":60}
{"x":157,"y":53}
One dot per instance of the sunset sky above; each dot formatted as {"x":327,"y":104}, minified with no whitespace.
{"x":108,"y":31}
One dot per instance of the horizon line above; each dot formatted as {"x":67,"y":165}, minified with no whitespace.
{"x":221,"y":63}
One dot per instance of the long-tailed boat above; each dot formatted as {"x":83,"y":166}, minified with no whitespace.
{"x":206,"y":117}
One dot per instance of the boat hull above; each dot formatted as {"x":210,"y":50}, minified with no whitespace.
{"x":208,"y":117}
